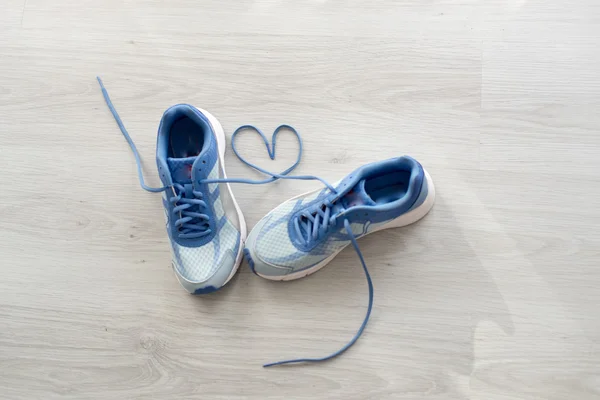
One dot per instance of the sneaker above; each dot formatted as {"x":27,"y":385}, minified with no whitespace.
{"x":205,"y":225}
{"x":305,"y":233}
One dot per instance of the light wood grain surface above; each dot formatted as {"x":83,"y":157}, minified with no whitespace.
{"x":494,"y":295}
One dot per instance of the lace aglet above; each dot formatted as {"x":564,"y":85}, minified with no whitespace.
{"x":273,"y":364}
{"x":101,"y":84}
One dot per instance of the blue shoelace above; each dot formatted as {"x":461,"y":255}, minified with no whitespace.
{"x":309,"y":226}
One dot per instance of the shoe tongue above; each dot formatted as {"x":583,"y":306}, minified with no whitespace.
{"x":181,"y":169}
{"x":357,"y":196}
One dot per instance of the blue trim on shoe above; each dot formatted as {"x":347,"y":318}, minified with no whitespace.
{"x":206,"y":290}
{"x":250,"y":260}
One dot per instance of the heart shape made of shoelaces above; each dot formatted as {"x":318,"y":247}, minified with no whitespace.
{"x":271,"y":148}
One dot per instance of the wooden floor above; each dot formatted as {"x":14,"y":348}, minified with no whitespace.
{"x":494,"y":295}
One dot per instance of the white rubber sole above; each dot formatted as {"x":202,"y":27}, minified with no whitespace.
{"x":404,"y":220}
{"x":222,"y":145}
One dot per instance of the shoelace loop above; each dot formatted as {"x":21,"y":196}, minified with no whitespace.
{"x":191,"y":224}
{"x":312,"y":226}
{"x":318,"y":224}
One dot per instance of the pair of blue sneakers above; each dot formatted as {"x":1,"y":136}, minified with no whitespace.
{"x":207,"y":229}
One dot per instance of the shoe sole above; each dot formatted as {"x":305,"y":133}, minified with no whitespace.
{"x":222,"y":147}
{"x":404,"y":220}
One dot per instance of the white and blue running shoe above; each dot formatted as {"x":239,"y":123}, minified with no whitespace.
{"x":305,"y":233}
{"x":204,"y":222}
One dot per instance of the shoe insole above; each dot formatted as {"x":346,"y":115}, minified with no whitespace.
{"x":388,"y":187}
{"x":186,"y":138}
